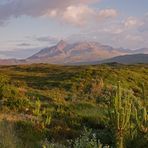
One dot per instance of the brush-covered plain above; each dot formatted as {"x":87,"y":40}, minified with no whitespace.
{"x":45,"y":105}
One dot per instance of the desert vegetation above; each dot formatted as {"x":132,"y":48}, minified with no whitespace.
{"x":51,"y":106}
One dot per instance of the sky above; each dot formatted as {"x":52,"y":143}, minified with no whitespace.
{"x":26,"y":26}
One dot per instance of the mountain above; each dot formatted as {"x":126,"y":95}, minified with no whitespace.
{"x":50,"y":52}
{"x":64,"y":53}
{"x":71,"y":53}
{"x":127,"y":59}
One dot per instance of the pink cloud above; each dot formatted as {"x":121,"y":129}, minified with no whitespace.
{"x":35,"y":8}
{"x":107,"y":13}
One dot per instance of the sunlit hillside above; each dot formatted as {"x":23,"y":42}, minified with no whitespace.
{"x":48,"y":105}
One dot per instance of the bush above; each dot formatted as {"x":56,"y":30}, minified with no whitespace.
{"x":86,"y":140}
{"x":19,"y":104}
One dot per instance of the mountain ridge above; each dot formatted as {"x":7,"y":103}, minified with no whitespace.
{"x":69,"y":53}
{"x":64,"y":52}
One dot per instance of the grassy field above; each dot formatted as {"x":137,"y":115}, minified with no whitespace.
{"x":48,"y":104}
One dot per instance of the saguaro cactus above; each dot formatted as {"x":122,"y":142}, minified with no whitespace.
{"x":120,"y":112}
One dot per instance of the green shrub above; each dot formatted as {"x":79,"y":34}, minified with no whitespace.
{"x":19,"y":104}
{"x":86,"y":140}
{"x":43,"y":115}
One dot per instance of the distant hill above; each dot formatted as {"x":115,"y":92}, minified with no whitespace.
{"x":128,"y":59}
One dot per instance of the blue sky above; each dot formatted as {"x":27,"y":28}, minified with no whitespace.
{"x":29,"y":25}
{"x":128,"y":7}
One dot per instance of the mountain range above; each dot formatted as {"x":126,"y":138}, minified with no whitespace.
{"x":82,"y":52}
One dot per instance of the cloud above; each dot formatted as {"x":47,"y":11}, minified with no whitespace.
{"x":130,"y":32}
{"x":107,"y":13}
{"x":81,"y":15}
{"x":35,"y":8}
{"x":78,"y":15}
{"x":134,"y":38}
{"x":24,"y":44}
{"x":127,"y":25}
{"x":48,"y":39}
{"x":75,"y":12}
{"x":3,"y":56}
{"x":113,"y":30}
{"x":132,"y":22}
{"x":144,"y":27}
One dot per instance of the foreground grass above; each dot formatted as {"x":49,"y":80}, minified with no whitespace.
{"x":65,"y":94}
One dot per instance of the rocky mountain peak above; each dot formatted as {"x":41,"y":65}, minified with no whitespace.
{"x":61,"y":45}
